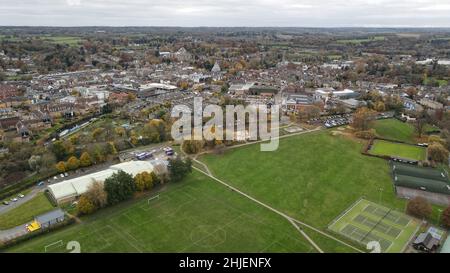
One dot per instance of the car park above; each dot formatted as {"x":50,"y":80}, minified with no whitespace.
{"x":333,"y":121}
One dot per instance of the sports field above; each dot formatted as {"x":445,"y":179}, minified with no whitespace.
{"x":366,"y":222}
{"x":195,"y":215}
{"x":395,"y":130}
{"x":399,"y":150}
{"x":312,"y":177}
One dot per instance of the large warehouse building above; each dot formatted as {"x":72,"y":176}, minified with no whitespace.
{"x":431,"y":184}
{"x":69,"y":190}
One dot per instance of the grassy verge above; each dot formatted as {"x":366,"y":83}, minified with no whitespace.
{"x":395,"y":130}
{"x":25,"y":212}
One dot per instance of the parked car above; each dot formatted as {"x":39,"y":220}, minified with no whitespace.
{"x":66,"y":174}
{"x":14,"y":199}
{"x":5,"y":203}
{"x":40,"y":184}
{"x":21,"y":196}
{"x":62,"y":175}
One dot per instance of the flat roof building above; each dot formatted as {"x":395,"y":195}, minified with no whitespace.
{"x":50,"y":218}
{"x":412,"y":181}
{"x":71,"y":189}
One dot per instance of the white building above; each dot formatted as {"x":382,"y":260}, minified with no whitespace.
{"x":325,"y":94}
{"x":71,"y":189}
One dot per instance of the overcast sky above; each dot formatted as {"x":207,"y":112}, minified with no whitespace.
{"x":308,"y":13}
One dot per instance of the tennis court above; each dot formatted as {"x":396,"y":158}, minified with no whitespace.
{"x":366,"y":221}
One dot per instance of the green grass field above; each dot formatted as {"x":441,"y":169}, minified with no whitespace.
{"x":25,"y":212}
{"x":312,"y":177}
{"x":360,"y":41}
{"x":195,"y":215}
{"x":69,"y":40}
{"x":405,"y":151}
{"x":395,"y":130}
{"x":366,"y":221}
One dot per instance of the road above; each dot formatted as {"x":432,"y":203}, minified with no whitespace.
{"x":20,"y":201}
{"x":36,"y":189}
{"x":12,"y":232}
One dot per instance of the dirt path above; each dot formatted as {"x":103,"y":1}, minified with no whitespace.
{"x":290,"y":219}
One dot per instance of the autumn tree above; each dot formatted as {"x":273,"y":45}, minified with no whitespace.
{"x":155,"y":130}
{"x":97,"y":134}
{"x":85,"y":160}
{"x":446,"y":217}
{"x":192,"y":146}
{"x":412,"y":92}
{"x":75,"y":139}
{"x":85,"y":205}
{"x":436,"y":139}
{"x":73,"y":163}
{"x":379,"y":106}
{"x":120,"y":131}
{"x":112,"y":148}
{"x":143,"y":181}
{"x":184,"y":85}
{"x":419,"y":207}
{"x":61,"y":166}
{"x":97,"y":195}
{"x":363,"y":118}
{"x":438,"y":153}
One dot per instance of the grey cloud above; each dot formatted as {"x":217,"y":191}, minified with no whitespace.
{"x":318,"y":13}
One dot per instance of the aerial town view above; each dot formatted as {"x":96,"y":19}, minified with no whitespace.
{"x":229,"y":127}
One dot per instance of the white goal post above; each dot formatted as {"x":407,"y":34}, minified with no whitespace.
{"x":152,"y":198}
{"x":57,"y":243}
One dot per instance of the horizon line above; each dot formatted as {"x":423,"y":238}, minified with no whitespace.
{"x":164,"y":26}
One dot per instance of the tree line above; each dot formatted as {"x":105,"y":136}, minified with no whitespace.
{"x":122,"y":186}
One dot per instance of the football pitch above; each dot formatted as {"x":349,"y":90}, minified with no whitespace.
{"x":398,"y":150}
{"x":312,"y":177}
{"x":195,"y":215}
{"x":366,"y":222}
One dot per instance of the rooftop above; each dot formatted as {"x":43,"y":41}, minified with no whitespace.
{"x":49,"y":216}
